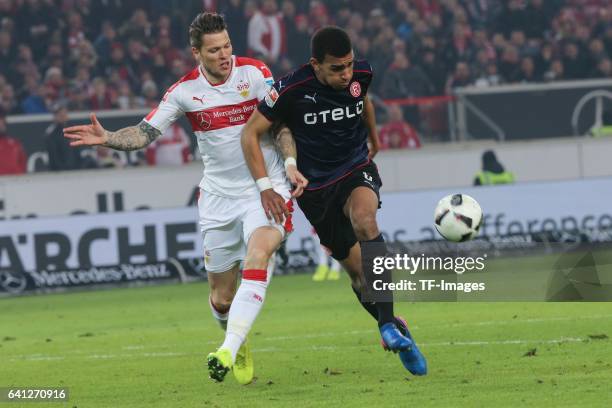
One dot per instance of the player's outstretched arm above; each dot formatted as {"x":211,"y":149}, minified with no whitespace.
{"x":272,"y":202}
{"x":286,"y":145}
{"x":255,"y":128}
{"x":129,"y":138}
{"x":369,"y":117}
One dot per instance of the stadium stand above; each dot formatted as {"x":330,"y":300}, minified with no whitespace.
{"x":99,"y":55}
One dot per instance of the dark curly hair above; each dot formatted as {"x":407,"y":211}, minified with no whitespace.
{"x":205,"y":23}
{"x":330,"y":40}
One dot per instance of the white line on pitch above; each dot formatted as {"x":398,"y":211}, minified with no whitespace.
{"x":309,"y":348}
{"x":42,"y":357}
{"x":532,"y":320}
{"x":79,"y":353}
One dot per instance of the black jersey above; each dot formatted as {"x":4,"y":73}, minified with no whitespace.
{"x":327,"y":126}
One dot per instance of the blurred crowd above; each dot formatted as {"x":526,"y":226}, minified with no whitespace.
{"x":104,"y":54}
{"x":123,"y":54}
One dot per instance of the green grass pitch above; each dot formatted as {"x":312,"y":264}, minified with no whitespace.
{"x":313,"y":346}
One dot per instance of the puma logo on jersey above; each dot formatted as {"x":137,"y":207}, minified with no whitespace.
{"x":333,"y":115}
{"x":195,"y":98}
{"x":312,"y":98}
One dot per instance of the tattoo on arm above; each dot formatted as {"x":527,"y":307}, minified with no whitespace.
{"x":286,"y":144}
{"x":133,"y":137}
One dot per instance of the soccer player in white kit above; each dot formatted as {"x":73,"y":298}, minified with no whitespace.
{"x":218,"y":98}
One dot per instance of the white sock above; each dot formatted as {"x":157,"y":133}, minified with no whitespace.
{"x":335,"y":265}
{"x":246,"y":306}
{"x":321,"y":254}
{"x":221,"y":318}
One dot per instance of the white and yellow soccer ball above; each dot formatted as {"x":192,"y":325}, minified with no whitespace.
{"x":458,"y":217}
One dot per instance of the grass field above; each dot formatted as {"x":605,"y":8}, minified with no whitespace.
{"x":314,"y":346}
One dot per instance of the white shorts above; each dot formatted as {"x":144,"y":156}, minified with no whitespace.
{"x":226,"y":225}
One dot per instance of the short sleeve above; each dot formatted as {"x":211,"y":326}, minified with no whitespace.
{"x":363,"y":71}
{"x":273,"y":103}
{"x":263,"y":86}
{"x":167,"y":112}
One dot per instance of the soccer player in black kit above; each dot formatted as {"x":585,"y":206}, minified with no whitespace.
{"x":329,"y":117}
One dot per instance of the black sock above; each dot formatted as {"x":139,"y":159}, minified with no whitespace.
{"x":384,"y":308}
{"x":370,"y":307}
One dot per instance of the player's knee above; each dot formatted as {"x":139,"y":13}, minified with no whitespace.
{"x":257,"y":258}
{"x":364,"y":225}
{"x":222,"y":300}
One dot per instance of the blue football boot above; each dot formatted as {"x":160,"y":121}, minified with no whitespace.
{"x":412,"y":359}
{"x":393,"y":339}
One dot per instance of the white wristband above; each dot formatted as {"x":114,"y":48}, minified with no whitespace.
{"x":290,"y":161}
{"x":263,"y":183}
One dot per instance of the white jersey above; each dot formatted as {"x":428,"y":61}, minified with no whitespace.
{"x":217,"y":114}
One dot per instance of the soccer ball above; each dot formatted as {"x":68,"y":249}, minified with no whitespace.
{"x":458,"y":217}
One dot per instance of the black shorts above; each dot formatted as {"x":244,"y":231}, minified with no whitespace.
{"x":323,"y":208}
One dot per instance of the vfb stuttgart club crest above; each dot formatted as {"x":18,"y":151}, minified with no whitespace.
{"x":355,"y":89}
{"x":204,"y":120}
{"x":243,"y":88}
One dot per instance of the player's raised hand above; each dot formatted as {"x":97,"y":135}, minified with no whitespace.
{"x":297,"y":179}
{"x":274,"y":206}
{"x":86,"y":135}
